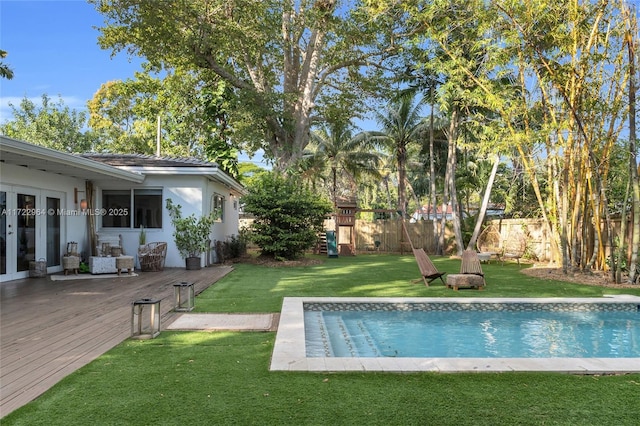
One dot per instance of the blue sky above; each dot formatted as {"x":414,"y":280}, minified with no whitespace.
{"x":53,"y":48}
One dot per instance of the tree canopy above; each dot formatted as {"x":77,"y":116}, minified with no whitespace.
{"x":183,"y":112}
{"x":287,"y":61}
{"x":52,"y":124}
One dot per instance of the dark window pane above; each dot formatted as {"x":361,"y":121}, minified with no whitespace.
{"x":116,"y":208}
{"x":148,"y":208}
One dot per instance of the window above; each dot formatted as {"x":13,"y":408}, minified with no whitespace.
{"x":148,"y":208}
{"x":144,"y":205}
{"x":217,"y":205}
{"x":116,"y":207}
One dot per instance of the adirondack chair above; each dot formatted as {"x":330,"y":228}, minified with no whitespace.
{"x":470,"y":275}
{"x":471,"y":265}
{"x":427,"y":268}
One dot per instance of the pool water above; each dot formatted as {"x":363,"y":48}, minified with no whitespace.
{"x":472,"y":334}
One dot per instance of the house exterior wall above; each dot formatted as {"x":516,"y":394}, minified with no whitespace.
{"x":20,"y":180}
{"x":194,"y":193}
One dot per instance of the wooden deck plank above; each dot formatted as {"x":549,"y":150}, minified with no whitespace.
{"x":48,"y":329}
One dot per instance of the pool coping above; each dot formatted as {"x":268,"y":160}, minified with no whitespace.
{"x":289,"y":352}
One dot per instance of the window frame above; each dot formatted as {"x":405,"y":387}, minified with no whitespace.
{"x":215,"y":198}
{"x":130,"y":211}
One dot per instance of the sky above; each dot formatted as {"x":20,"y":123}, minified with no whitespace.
{"x":52,"y":48}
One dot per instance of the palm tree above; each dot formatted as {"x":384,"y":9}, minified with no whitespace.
{"x":347,"y":156}
{"x":401,"y":125}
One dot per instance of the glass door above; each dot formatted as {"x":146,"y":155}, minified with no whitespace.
{"x":53,"y":232}
{"x":31,"y":228}
{"x":26,"y":230}
{"x":4,"y":232}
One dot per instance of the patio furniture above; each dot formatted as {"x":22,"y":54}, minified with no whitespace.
{"x":38,"y":268}
{"x":152,"y":256}
{"x":70,"y":263}
{"x":427,"y":269}
{"x":102,"y":265}
{"x":470,"y":276}
{"x":514,"y":247}
{"x":489,"y":240}
{"x":106,"y":242}
{"x":124,"y":262}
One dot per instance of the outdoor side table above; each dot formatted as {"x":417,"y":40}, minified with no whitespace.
{"x":184,"y":296}
{"x":124,"y":262}
{"x":70,"y":263}
{"x":145,"y":318}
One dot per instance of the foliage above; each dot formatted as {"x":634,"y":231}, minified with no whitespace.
{"x":191,"y":234}
{"x":233,"y":247}
{"x":402,"y":126}
{"x":52,"y":124}
{"x":348,"y":158}
{"x":191,"y":107}
{"x":288,"y":216}
{"x":84,"y":268}
{"x":248,"y":171}
{"x":142,"y":237}
{"x":287,"y":61}
{"x":5,"y":71}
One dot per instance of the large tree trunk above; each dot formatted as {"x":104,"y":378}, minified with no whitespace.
{"x":633,"y":154}
{"x":451,"y":181}
{"x":402,"y":176}
{"x":485,"y":203}
{"x":432,"y":175}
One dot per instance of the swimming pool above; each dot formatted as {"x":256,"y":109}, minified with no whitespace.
{"x":291,"y":351}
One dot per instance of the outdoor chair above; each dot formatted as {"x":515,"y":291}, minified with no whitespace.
{"x":489,"y":243}
{"x":152,"y":256}
{"x":514,"y":247}
{"x":427,"y":268}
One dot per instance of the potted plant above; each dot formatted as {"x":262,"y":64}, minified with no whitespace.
{"x":142,"y":238}
{"x":191,"y":233}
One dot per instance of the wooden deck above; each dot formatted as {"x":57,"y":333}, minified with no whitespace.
{"x":48,"y":329}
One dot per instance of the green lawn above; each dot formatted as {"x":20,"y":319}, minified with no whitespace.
{"x":261,"y":289}
{"x":223,"y":378}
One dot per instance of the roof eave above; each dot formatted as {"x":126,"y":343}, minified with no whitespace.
{"x":43,"y":153}
{"x":211,"y":172}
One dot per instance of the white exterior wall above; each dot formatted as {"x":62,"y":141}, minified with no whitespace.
{"x":20,"y":180}
{"x":193,"y":193}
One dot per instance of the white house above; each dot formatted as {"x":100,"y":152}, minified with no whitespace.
{"x":49,"y":198}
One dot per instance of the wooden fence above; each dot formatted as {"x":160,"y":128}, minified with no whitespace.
{"x":389,"y":235}
{"x":386,"y":235}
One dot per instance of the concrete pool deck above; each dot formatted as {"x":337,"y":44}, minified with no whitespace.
{"x":289,"y":352}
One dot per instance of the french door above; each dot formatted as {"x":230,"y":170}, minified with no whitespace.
{"x":30,"y":229}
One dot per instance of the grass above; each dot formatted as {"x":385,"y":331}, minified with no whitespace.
{"x":261,"y":289}
{"x":213,"y":378}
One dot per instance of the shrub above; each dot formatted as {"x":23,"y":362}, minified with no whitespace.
{"x":191,"y":233}
{"x":288,"y":215}
{"x":233,"y":248}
